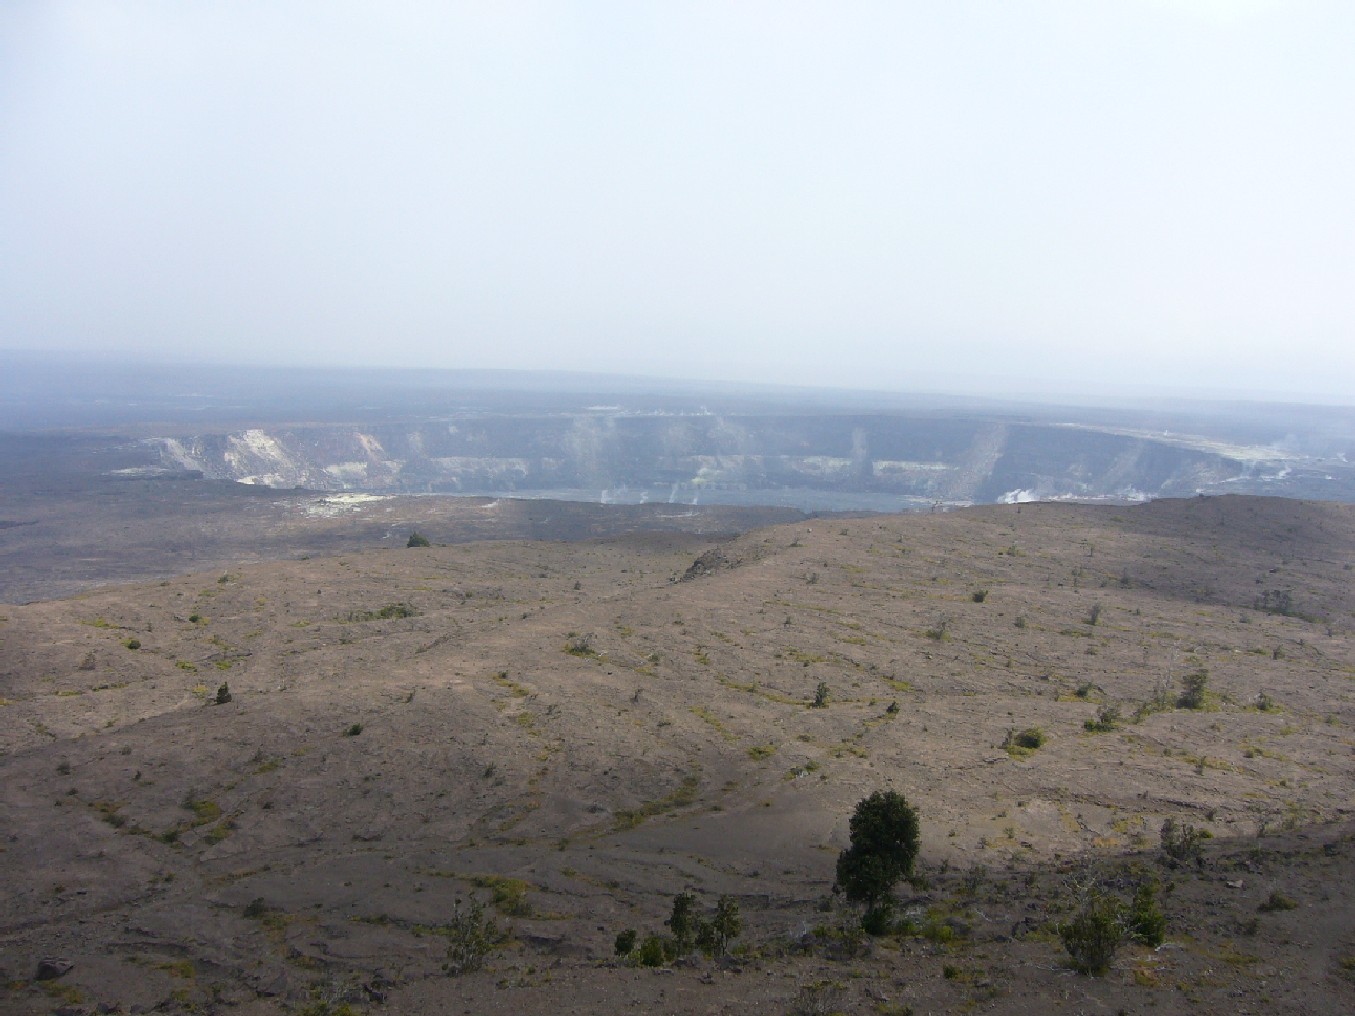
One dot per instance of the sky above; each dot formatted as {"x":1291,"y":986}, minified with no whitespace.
{"x":1120,"y":196}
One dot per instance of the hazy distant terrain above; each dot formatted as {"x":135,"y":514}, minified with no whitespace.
{"x":116,"y":471}
{"x":633,"y":440}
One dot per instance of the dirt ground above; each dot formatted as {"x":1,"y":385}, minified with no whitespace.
{"x":573,"y":733}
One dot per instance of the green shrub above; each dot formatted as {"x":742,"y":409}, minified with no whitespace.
{"x":470,"y":937}
{"x":938,"y":931}
{"x":417,"y":540}
{"x":1161,"y":700}
{"x":223,"y":694}
{"x":1093,"y":937}
{"x":353,"y":731}
{"x":389,"y":612}
{"x":625,"y":942}
{"x":821,"y":695}
{"x":843,"y":941}
{"x":822,"y":998}
{"x":1147,"y":923}
{"x":580,"y":645}
{"x":508,"y":895}
{"x":979,"y":595}
{"x":878,"y":919}
{"x":651,"y":952}
{"x":1182,"y":841}
{"x":133,"y":643}
{"x":1276,"y":901}
{"x":1193,"y":694}
{"x":1021,"y":743}
{"x":1107,"y":719}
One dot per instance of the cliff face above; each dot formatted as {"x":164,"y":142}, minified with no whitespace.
{"x":682,"y":458}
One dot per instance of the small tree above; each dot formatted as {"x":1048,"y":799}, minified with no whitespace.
{"x":714,"y":935}
{"x":1193,"y":692}
{"x":683,"y":922}
{"x":1147,"y":923}
{"x":821,"y":695}
{"x":417,"y":540}
{"x":1094,"y":935}
{"x":884,"y":831}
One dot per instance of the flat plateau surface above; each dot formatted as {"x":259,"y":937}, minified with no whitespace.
{"x":575,"y":732}
{"x":82,"y":532}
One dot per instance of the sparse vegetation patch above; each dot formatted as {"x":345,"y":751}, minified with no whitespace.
{"x":684,"y":795}
{"x":389,"y":612}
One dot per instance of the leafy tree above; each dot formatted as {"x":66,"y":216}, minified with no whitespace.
{"x":417,"y":540}
{"x":884,"y":831}
{"x":714,"y":936}
{"x":683,"y":922}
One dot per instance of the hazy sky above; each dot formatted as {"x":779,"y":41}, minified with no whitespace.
{"x":899,"y":195}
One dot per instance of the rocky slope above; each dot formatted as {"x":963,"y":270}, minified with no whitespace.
{"x":574,"y":733}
